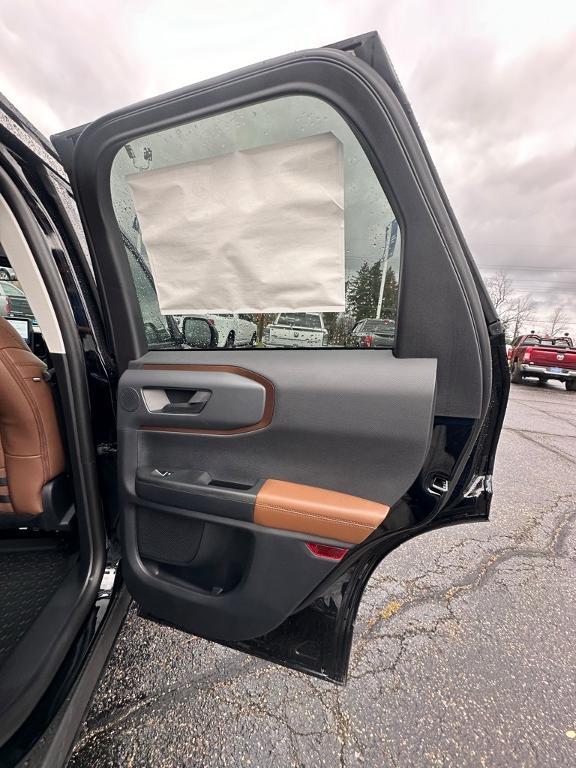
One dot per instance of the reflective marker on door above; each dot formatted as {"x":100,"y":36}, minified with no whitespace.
{"x":326,"y":551}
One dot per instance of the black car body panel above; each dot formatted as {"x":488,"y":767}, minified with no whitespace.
{"x":24,"y":163}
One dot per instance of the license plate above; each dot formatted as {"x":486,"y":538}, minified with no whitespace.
{"x":555,"y":370}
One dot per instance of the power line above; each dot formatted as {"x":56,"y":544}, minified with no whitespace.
{"x":522,"y":269}
{"x":547,"y":291}
{"x":518,"y":244}
{"x":548,"y":320}
{"x":544,"y":289}
{"x":567,"y":280}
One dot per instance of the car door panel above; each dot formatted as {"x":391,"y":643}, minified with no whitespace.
{"x":243,"y":505}
{"x":341,"y":432}
{"x":260,"y":488}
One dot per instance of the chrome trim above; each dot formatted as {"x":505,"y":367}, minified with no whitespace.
{"x":479,"y":485}
{"x":537,"y":369}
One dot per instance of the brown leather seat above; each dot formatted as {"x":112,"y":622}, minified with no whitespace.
{"x":31,"y":452}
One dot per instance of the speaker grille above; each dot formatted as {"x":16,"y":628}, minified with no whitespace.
{"x":168,"y":538}
{"x":129,"y":399}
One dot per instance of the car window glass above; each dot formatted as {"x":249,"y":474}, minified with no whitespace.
{"x":378,"y":326}
{"x":11,"y":290}
{"x":300,"y":320}
{"x":372,"y":237}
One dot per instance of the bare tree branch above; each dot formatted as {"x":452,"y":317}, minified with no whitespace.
{"x":500,"y":290}
{"x":514,"y":311}
{"x":558,"y":322}
{"x":521,"y":313}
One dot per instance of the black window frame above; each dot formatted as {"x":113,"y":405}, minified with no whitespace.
{"x":444,"y":272}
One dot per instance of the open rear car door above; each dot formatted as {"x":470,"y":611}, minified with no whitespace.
{"x":260,"y":487}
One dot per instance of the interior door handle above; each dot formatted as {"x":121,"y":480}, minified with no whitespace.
{"x":173,"y":400}
{"x":205,"y":400}
{"x":197,"y":399}
{"x":183,"y":407}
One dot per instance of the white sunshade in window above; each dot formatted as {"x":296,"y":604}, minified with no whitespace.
{"x":259,"y":230}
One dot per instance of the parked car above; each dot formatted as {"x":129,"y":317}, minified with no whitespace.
{"x":7,"y":273}
{"x":234,"y":330}
{"x":296,"y":329}
{"x":232,"y":495}
{"x":543,"y":358}
{"x":373,"y":333}
{"x":13,"y":302}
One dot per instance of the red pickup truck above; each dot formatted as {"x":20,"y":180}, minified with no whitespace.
{"x":543,"y":358}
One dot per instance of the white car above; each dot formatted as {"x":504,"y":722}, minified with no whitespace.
{"x":7,"y":273}
{"x":234,"y":330}
{"x":296,"y":329}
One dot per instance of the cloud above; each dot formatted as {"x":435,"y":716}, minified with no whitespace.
{"x":69,"y":62}
{"x":64,"y":60}
{"x":493,"y":86}
{"x":503,"y":138}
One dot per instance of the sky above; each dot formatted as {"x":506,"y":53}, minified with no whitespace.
{"x":492,"y":84}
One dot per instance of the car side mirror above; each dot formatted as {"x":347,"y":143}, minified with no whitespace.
{"x":199,"y":333}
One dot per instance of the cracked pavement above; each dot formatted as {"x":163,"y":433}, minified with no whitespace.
{"x":464,"y":650}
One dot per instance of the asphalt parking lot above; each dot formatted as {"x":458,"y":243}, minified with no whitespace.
{"x":464,"y":652}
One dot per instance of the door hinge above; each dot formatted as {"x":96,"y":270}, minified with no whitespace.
{"x":479,"y":485}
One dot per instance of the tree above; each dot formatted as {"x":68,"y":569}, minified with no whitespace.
{"x":513,"y":310}
{"x":338,"y":325}
{"x":262,"y":320}
{"x":520,"y":313}
{"x":364,"y":291}
{"x":331,"y":325}
{"x":390,"y":297}
{"x":500,"y":291}
{"x":558,"y":322}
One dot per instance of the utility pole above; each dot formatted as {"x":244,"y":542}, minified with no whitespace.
{"x":384,"y":270}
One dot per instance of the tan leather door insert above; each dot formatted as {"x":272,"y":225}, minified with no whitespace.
{"x":317,"y":512}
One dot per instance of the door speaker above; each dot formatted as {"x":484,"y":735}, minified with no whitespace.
{"x":129,"y":399}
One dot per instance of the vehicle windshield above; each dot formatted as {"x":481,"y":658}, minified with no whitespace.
{"x":559,"y":343}
{"x":300,"y":319}
{"x":11,"y":290}
{"x":378,"y":326}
